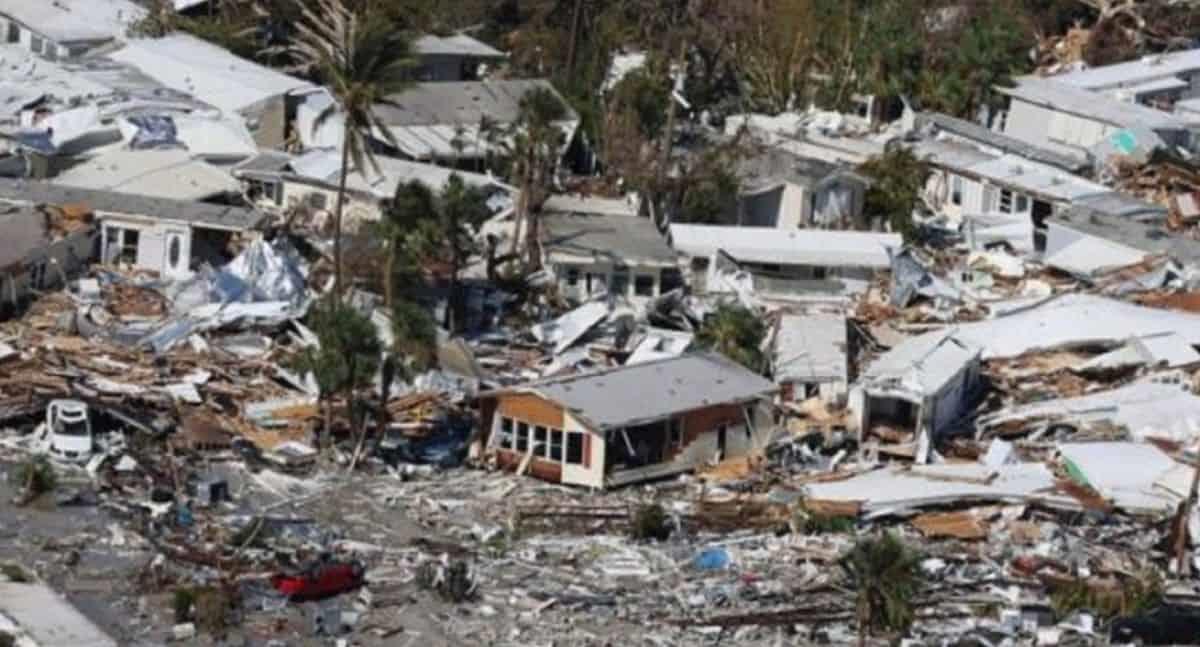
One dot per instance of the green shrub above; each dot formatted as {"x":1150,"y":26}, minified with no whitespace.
{"x":651,"y":522}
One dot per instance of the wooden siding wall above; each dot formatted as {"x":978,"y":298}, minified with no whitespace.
{"x":702,"y":421}
{"x":533,"y":410}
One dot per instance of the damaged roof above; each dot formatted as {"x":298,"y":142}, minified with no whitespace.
{"x":1146,"y":238}
{"x":770,"y":166}
{"x":1133,"y":73}
{"x":69,"y":21}
{"x":810,"y":348}
{"x":463,"y":102}
{"x":171,"y":173}
{"x":618,"y":239}
{"x":924,"y":363}
{"x":650,"y":391}
{"x":454,"y":45}
{"x":1001,"y":142}
{"x":201,"y":214}
{"x":818,"y":247}
{"x":1074,"y":100}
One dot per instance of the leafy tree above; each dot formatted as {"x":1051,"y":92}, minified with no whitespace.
{"x":737,"y":333}
{"x":708,"y":190}
{"x":364,"y":60}
{"x":646,"y":96}
{"x":416,"y":337}
{"x":412,"y":204}
{"x":348,"y":356}
{"x":989,"y":48}
{"x":896,"y":177}
{"x":886,"y":575}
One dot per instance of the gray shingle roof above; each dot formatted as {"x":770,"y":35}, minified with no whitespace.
{"x":213,"y":216}
{"x":625,"y":239}
{"x":1002,"y":142}
{"x":632,"y":395}
{"x":461,"y":102}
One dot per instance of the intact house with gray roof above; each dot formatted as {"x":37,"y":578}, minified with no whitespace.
{"x":599,"y":246}
{"x":38,"y":255}
{"x":170,"y":237}
{"x":457,"y":57}
{"x":628,"y":424}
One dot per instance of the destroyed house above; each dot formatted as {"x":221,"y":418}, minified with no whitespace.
{"x":918,"y":390}
{"x":281,"y":182}
{"x":628,"y":424}
{"x":783,"y":190}
{"x":42,"y":249}
{"x":809,"y":357}
{"x":601,"y":246}
{"x":796,"y":262}
{"x":171,"y":237}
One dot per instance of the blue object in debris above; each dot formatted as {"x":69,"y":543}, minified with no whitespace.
{"x":712,"y":559}
{"x":183,"y":516}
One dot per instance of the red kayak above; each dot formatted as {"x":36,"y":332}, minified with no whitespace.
{"x":321,"y":580}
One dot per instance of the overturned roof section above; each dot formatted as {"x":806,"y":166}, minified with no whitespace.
{"x":632,"y":395}
{"x":817,"y":247}
{"x":455,"y":45}
{"x":811,"y":348}
{"x":617,"y":239}
{"x":1077,"y":101}
{"x":74,"y":21}
{"x":925,"y":363}
{"x":199,"y":214}
{"x":1094,"y":242}
{"x":1056,"y":323}
{"x":771,"y":166}
{"x":173,"y":174}
{"x":1000,"y":142}
{"x":1146,"y":409}
{"x":201,"y":69}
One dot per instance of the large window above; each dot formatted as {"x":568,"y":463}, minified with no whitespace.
{"x":643,"y":285}
{"x":506,"y":433}
{"x":1006,"y":201}
{"x":573,"y":276}
{"x":541,"y":442}
{"x":556,"y":445}
{"x":522,"y":437}
{"x":619,"y":285}
{"x":574,"y":448}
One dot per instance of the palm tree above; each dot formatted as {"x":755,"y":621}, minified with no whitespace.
{"x":532,"y":145}
{"x":885,"y":573}
{"x":363,"y":60}
{"x":737,"y":333}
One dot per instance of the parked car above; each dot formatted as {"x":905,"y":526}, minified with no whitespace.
{"x":322,"y":579}
{"x":67,"y":432}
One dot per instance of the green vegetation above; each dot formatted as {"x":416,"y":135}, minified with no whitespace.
{"x":15,"y":573}
{"x":349,"y":354}
{"x":886,"y":574}
{"x":650,"y":522}
{"x":182,"y":602}
{"x":1128,"y":596}
{"x":897,"y":178}
{"x":737,"y":333}
{"x":35,"y":477}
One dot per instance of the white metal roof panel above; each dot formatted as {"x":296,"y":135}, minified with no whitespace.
{"x":819,"y":247}
{"x":811,"y":348}
{"x":1090,"y":105}
{"x":206,"y":71}
{"x":1133,"y":72}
